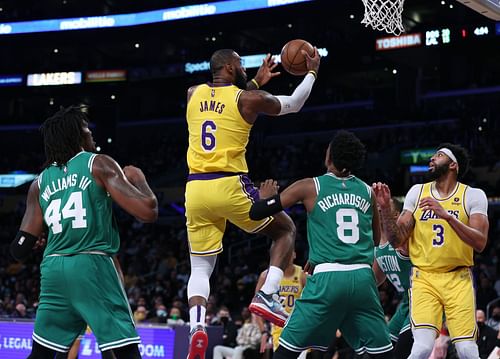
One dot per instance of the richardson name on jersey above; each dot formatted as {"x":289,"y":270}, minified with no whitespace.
{"x":342,"y":199}
{"x":64,"y":183}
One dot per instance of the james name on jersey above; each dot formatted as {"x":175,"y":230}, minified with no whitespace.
{"x":213,"y":106}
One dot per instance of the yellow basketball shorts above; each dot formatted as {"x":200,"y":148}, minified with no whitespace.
{"x":433,"y":294}
{"x":210,"y":202}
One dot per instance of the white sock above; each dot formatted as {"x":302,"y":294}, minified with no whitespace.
{"x":197,"y":316}
{"x":273,"y":279}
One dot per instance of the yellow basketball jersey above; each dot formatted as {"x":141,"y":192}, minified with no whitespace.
{"x":290,"y":290}
{"x":218,"y":134}
{"x":435,"y":246}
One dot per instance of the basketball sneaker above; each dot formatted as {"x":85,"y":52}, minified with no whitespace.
{"x":198,"y":343}
{"x":268,"y":307}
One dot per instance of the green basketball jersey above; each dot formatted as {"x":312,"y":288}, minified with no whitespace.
{"x":339,"y":228}
{"x":77,"y":211}
{"x":396,"y":266}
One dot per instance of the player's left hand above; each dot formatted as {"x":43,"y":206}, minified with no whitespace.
{"x":265,"y":72}
{"x":382,"y":194}
{"x":268,"y":188}
{"x":429,"y":203}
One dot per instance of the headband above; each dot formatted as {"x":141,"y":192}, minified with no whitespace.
{"x":450,"y":154}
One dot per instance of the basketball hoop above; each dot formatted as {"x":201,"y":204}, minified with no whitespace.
{"x":384,"y":15}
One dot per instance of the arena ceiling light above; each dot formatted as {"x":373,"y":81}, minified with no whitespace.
{"x":141,"y":18}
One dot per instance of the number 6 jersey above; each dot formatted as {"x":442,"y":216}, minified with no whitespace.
{"x":434,"y":245}
{"x":76,"y":210}
{"x":339,"y":227}
{"x":218,"y":134}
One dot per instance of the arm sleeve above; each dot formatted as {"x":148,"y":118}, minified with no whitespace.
{"x":476,"y":201}
{"x":293,"y":103}
{"x":411,"y":198}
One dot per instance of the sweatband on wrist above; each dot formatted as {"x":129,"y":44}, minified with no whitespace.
{"x":254,"y":81}
{"x":293,"y":103}
{"x":21,"y":246}
{"x":265,"y":208}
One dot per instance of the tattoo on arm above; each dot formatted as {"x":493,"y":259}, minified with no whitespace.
{"x":396,"y":234}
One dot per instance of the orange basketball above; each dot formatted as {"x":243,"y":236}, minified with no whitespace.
{"x":292,"y":59}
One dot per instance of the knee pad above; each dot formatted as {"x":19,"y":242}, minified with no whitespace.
{"x":467,"y":350}
{"x":199,"y":280}
{"x":423,"y":343}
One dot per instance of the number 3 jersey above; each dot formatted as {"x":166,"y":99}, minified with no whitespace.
{"x":434,"y":245}
{"x":218,"y":134}
{"x":76,"y":210}
{"x":339,"y":228}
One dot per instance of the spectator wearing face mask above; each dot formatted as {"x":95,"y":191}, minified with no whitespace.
{"x":174,"y":318}
{"x":494,"y":321}
{"x":487,"y":336}
{"x":160,"y":315}
{"x":140,"y":314}
{"x":229,"y":335}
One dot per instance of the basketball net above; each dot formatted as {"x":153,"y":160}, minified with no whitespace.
{"x":384,"y":15}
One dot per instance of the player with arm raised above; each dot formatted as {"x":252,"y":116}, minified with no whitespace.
{"x":220,"y":116}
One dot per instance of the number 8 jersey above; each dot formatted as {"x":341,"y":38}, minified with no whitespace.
{"x":218,"y":134}
{"x":76,"y":210}
{"x":339,"y":227}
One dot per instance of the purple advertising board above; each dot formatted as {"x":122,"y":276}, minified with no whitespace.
{"x":16,"y":342}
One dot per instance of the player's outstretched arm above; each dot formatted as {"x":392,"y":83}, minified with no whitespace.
{"x":31,"y":226}
{"x":251,"y":103}
{"x":127,"y":187}
{"x":300,"y":191}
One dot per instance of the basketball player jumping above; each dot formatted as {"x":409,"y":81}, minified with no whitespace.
{"x":220,"y":116}
{"x":444,"y":222}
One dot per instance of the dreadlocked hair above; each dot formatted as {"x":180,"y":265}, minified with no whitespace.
{"x":63,"y":135}
{"x":347,"y":152}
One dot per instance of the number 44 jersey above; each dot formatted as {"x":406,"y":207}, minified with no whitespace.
{"x":76,"y":210}
{"x":339,"y":228}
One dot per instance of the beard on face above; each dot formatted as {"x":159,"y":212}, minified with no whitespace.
{"x":439,"y":170}
{"x":241,"y":80}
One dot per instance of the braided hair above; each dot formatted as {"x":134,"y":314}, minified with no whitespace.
{"x":63,"y":135}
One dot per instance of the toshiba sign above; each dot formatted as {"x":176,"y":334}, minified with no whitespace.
{"x":398,"y":42}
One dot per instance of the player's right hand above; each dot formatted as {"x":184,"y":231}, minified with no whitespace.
{"x":312,"y":62}
{"x":134,"y":174}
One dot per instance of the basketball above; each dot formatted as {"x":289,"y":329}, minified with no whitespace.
{"x":292,"y":59}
